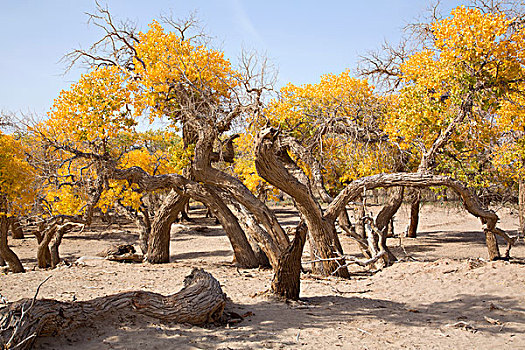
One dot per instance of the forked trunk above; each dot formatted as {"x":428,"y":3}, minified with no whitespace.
{"x":57,"y":240}
{"x":39,"y":239}
{"x":488,"y":218}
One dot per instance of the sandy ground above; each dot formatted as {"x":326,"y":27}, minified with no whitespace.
{"x":442,"y":295}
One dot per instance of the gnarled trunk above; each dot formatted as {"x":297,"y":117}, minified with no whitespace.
{"x":57,"y":240}
{"x":201,"y":301}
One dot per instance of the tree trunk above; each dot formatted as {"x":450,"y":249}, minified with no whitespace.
{"x":55,"y":255}
{"x":492,"y":245}
{"x":200,"y":301}
{"x":521,"y":205}
{"x":275,"y":166}
{"x":144,"y":225}
{"x":414,"y":214}
{"x":43,"y":254}
{"x":60,"y":231}
{"x":384,"y":218}
{"x":262,"y":244}
{"x":159,"y":240}
{"x":39,"y":239}
{"x":286,"y":282}
{"x":243,"y":253}
{"x":16,"y":229}
{"x":5,"y":252}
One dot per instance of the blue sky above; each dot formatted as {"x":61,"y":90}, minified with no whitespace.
{"x":303,"y":39}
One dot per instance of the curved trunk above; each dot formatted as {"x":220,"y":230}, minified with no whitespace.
{"x":203,"y":171}
{"x":5,"y":252}
{"x":159,"y":240}
{"x":273,"y":165}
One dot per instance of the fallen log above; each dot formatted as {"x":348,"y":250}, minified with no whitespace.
{"x":200,"y":301}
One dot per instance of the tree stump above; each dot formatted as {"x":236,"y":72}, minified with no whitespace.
{"x":200,"y":301}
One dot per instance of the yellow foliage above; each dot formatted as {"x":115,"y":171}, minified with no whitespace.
{"x":16,"y":176}
{"x":169,"y":64}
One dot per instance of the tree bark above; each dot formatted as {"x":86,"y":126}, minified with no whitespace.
{"x":16,"y":229}
{"x":200,"y":301}
{"x":414,"y":214}
{"x":286,"y":282}
{"x":261,"y":242}
{"x":5,"y":252}
{"x":159,"y":240}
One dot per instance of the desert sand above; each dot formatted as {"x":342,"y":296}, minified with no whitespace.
{"x":442,"y":294}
